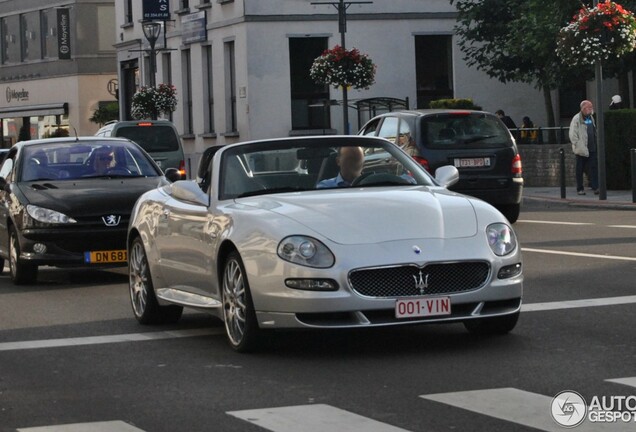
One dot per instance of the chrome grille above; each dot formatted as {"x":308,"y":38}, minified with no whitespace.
{"x":403,"y":281}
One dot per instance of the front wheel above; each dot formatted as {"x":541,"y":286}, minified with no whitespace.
{"x":144,"y":302}
{"x":241,"y":326}
{"x":492,"y":326}
{"x":21,"y":272}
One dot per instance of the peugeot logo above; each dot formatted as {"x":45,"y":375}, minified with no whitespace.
{"x":113,"y":220}
{"x":422,"y":283}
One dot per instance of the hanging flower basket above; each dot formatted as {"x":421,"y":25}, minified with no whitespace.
{"x":343,"y":68}
{"x":149,"y":102}
{"x":607,"y":31}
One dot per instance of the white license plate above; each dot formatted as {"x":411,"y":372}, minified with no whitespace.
{"x":414,"y":307}
{"x":471,"y":162}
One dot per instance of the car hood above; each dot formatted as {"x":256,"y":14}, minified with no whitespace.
{"x":376,"y":215}
{"x":77,"y":198}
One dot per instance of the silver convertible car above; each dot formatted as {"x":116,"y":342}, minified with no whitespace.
{"x":321,"y":232}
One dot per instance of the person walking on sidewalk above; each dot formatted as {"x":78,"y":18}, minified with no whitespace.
{"x":583,"y":138}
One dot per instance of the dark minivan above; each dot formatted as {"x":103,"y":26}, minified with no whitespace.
{"x":476,"y":142}
{"x":159,"y":138}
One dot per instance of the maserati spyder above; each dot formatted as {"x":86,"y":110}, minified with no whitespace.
{"x":321,"y":232}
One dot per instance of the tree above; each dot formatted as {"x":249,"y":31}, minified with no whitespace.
{"x":105,"y":113}
{"x":515,"y":41}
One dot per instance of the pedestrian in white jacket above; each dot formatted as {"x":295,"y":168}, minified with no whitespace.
{"x":583,"y":138}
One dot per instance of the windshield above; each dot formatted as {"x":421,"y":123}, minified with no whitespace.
{"x":463,"y":129}
{"x":153,"y":138}
{"x":316,"y":164}
{"x":84,"y":159}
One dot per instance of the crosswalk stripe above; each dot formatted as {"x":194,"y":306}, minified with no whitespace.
{"x":579,"y":254}
{"x":108,"y":426}
{"x":520,"y":407}
{"x":625,"y":381}
{"x":312,"y":418}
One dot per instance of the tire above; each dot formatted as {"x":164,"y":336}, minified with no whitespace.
{"x":511,"y":212}
{"x":241,"y":326}
{"x":22,"y":273}
{"x":492,"y":326}
{"x":143,"y":300}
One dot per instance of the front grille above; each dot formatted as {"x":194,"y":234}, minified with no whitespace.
{"x":410,"y":280}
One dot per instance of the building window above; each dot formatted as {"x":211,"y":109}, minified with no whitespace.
{"x":570,"y":97}
{"x":128,"y":11}
{"x":49,"y":34}
{"x":184,"y":4}
{"x":230,"y":88}
{"x":3,"y":41}
{"x":31,"y":45}
{"x":433,"y":68}
{"x":209,"y":90}
{"x":186,"y":66}
{"x":11,"y":39}
{"x":310,"y":101}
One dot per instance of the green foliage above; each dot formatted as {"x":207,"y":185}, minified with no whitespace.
{"x":454,"y":104}
{"x":620,"y":137}
{"x":105,"y":113}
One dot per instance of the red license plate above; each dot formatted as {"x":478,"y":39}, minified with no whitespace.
{"x":414,"y":307}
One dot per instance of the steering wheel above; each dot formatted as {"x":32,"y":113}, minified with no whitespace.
{"x":379,"y":178}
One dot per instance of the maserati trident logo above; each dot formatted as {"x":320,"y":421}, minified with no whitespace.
{"x":422,"y":283}
{"x":111,"y":220}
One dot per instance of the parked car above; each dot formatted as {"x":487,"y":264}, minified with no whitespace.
{"x":260,"y":245}
{"x":158,"y":137}
{"x":476,"y":142}
{"x":66,"y":202}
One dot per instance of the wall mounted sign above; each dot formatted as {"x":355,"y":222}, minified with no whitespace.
{"x":156,"y":10}
{"x":63,"y":34}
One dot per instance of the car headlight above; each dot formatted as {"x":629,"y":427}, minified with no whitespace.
{"x":501,"y":239}
{"x":305,"y":251}
{"x":45,"y":215}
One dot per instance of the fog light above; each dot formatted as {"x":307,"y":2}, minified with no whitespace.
{"x":312,"y":284}
{"x":39,"y":248}
{"x":509,"y":271}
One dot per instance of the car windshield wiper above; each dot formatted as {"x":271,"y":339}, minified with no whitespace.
{"x":478,"y":138}
{"x":271,"y":191}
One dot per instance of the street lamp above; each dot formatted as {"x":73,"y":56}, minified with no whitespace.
{"x":152,"y":29}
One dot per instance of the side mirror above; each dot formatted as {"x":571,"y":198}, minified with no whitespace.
{"x":447,"y":175}
{"x":172,"y":174}
{"x":188,"y":191}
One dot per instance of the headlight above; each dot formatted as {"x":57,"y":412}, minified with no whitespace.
{"x":501,"y":239}
{"x":305,"y":251}
{"x":44,"y":215}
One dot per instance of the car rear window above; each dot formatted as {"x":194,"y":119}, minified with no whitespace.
{"x":464,"y":130}
{"x":155,"y":138}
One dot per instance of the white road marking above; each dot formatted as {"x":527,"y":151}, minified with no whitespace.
{"x":579,"y":254}
{"x":572,"y":304}
{"x":312,"y":418}
{"x":622,"y":226}
{"x":109,"y":426}
{"x":518,"y":406}
{"x":93,"y":340}
{"x":555,"y":222}
{"x":625,"y":381}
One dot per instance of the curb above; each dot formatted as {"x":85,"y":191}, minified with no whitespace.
{"x":598,"y":204}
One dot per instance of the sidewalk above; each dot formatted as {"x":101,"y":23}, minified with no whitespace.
{"x":615,"y":199}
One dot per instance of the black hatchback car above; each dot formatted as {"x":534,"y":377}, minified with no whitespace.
{"x":476,"y":142}
{"x":66,"y":202}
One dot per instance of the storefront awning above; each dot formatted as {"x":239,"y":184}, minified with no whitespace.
{"x":34,"y":110}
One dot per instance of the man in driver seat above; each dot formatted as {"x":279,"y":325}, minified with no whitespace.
{"x":350,"y":161}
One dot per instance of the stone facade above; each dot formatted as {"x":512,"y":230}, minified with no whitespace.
{"x":541,"y":164}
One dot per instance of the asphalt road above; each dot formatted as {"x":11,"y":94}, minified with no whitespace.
{"x":72,"y":354}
